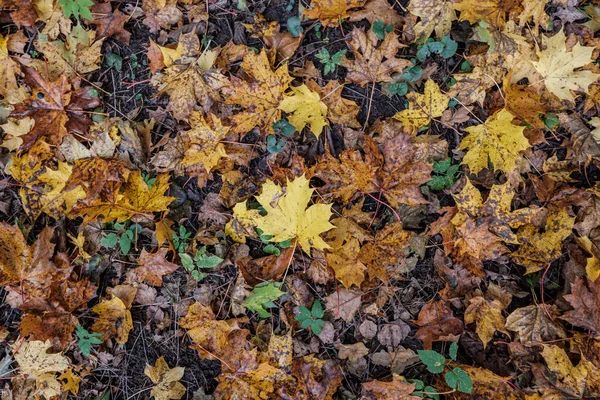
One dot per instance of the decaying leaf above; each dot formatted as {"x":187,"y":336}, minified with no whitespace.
{"x":306,"y":108}
{"x":153,"y":266}
{"x":586,"y":305}
{"x":397,"y":389}
{"x":436,"y":15}
{"x":487,"y":314}
{"x":533,"y":323}
{"x":424,"y":107}
{"x":330,"y":12}
{"x":114,"y":320}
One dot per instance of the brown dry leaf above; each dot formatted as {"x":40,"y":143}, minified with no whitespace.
{"x":437,"y":322}
{"x":586,"y":304}
{"x":397,"y":389}
{"x":153,"y":266}
{"x":488,"y":317}
{"x":378,"y":10}
{"x":330,"y":12}
{"x":373,"y":63}
{"x":260,"y":96}
{"x":114,"y":320}
{"x":165,"y":380}
{"x":344,"y":304}
{"x":351,"y":352}
{"x":539,"y":249}
{"x":161,"y":14}
{"x":110,"y":23}
{"x":31,"y":269}
{"x":137,"y":199}
{"x":491,"y":11}
{"x":436,"y":15}
{"x":533,"y":324}
{"x":55,"y":108}
{"x":202,"y":144}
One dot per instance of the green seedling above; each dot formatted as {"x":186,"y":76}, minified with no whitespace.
{"x":85,"y":340}
{"x":436,"y":363}
{"x":379,"y":28}
{"x":125,"y":239}
{"x":180,"y":239}
{"x":446,"y":48}
{"x":311,"y":318}
{"x":445,"y":174}
{"x":77,"y":8}
{"x":330,"y":61}
{"x":262,"y":297}
{"x":201,"y":261}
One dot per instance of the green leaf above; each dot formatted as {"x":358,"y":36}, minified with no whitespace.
{"x":186,"y":261}
{"x":317,"y":326}
{"x":125,"y":242}
{"x":272,"y":249}
{"x":306,"y":323}
{"x":465,"y":66}
{"x":337,"y":57}
{"x":453,"y":351}
{"x":450,"y":47}
{"x":551,"y":121}
{"x":205,"y":260}
{"x":323,"y":55}
{"x":303,"y":314}
{"x":261,"y":295}
{"x":378,"y":28}
{"x":110,"y":240}
{"x":86,"y":340}
{"x":458,"y":379}
{"x":197,"y":275}
{"x":285,"y":244}
{"x":294,"y":27}
{"x":438,"y":183}
{"x":412,"y":74}
{"x":77,"y":7}
{"x":114,"y":61}
{"x":433,"y":360}
{"x":284,"y":127}
{"x":442,"y":166}
{"x":399,"y":89}
{"x":430,"y":390}
{"x":274,"y":146}
{"x":317,"y":309}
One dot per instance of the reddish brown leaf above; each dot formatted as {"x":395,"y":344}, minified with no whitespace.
{"x":586,"y":304}
{"x":152,"y":267}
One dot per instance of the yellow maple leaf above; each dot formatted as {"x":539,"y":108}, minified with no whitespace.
{"x":436,"y":15}
{"x":576,"y":380}
{"x":423,"y":107}
{"x":488,"y":10}
{"x":114,"y":320}
{"x":330,"y":12}
{"x":497,"y":140}
{"x":557,"y":66}
{"x":137,"y":199}
{"x":166,"y":380}
{"x":260,"y":97}
{"x":202,"y":142}
{"x":538,"y":249}
{"x":9,"y":70}
{"x":306,"y":108}
{"x":287,"y":216}
{"x":16,"y":128}
{"x":487,"y":314}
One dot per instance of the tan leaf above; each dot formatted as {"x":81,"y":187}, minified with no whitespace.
{"x":533,"y":324}
{"x":488,"y":317}
{"x":166,"y":380}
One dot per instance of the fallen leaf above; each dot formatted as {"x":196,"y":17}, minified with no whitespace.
{"x":539,"y":249}
{"x":533,"y":324}
{"x":345,"y":262}
{"x":497,"y":140}
{"x":339,"y":109}
{"x":422,"y":108}
{"x":437,"y":322}
{"x":373,"y":63}
{"x":586,"y":305}
{"x":165,"y":380}
{"x":72,"y":381}
{"x":575,"y":381}
{"x":436,"y":15}
{"x":397,"y":389}
{"x":287,"y":216}
{"x":330,"y":12}
{"x":114,"y":320}
{"x":378,"y":10}
{"x":344,"y":304}
{"x":306,"y":108}
{"x":110,"y":23}
{"x":153,"y":266}
{"x":557,"y":66}
{"x":266,"y":89}
{"x":351,"y":352}
{"x":488,"y":317}
{"x":8,"y":76}
{"x":16,"y":128}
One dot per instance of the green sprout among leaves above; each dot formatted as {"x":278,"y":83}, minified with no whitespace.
{"x":446,"y":48}
{"x":77,"y":8}
{"x":180,"y":239}
{"x":125,"y":239}
{"x":445,"y":174}
{"x":379,"y":28}
{"x":85,"y":340}
{"x":311,"y":318}
{"x":201,"y":261}
{"x":262,"y":297}
{"x":330,"y":61}
{"x":455,"y":377}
